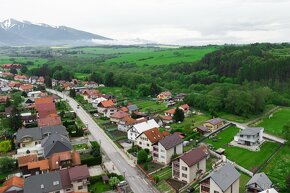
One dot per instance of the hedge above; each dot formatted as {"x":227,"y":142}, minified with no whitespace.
{"x":92,"y":161}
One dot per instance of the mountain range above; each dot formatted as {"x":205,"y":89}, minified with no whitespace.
{"x":25,"y":33}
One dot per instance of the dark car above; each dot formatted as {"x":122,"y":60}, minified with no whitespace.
{"x":191,"y":189}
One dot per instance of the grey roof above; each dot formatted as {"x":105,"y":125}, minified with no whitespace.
{"x":37,"y":133}
{"x":215,"y":121}
{"x":251,"y":131}
{"x":5,"y":89}
{"x":170,"y":141}
{"x":55,"y":143}
{"x":132,"y":107}
{"x":261,"y":180}
{"x":224,"y":176}
{"x":48,"y":182}
{"x":202,"y":128}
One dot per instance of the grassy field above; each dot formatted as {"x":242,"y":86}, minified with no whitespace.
{"x":99,"y":187}
{"x":80,"y":76}
{"x":164,"y":187}
{"x":248,"y":159}
{"x":279,"y":167}
{"x":274,"y":125}
{"x":8,"y":60}
{"x":168,"y":56}
{"x":243,"y":181}
{"x":149,"y":106}
{"x":163,"y":174}
{"x":191,"y":122}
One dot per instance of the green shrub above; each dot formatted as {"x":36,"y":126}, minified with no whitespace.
{"x":145,"y":166}
{"x":142,"y":156}
{"x":95,"y":179}
{"x":92,"y":161}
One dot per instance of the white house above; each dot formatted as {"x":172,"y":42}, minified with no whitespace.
{"x":34,"y":94}
{"x":149,"y":137}
{"x":250,"y":136}
{"x":96,"y":101}
{"x":166,"y":148}
{"x":190,"y":166}
{"x":139,"y":128}
{"x":225,"y":179}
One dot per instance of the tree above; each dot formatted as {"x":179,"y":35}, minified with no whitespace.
{"x":286,"y":132}
{"x":114,"y":181}
{"x":109,"y":79}
{"x":16,"y":98}
{"x":144,"y":90}
{"x":178,"y":115}
{"x":15,"y":119}
{"x":154,"y":89}
{"x":23,"y":69}
{"x":96,"y":77}
{"x":13,"y":70}
{"x":142,"y":156}
{"x":7,"y":164}
{"x":5,"y":146}
{"x":145,"y":166}
{"x":72,"y":93}
{"x":48,"y":82}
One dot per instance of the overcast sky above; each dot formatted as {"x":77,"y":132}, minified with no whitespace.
{"x":192,"y":22}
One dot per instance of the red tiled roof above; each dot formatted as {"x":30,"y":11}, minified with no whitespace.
{"x":78,"y":173}
{"x":50,"y":120}
{"x":3,"y":99}
{"x":194,"y":156}
{"x":24,"y":160}
{"x":124,"y":109}
{"x":26,"y":87}
{"x":42,"y":165}
{"x":14,"y":181}
{"x":64,"y":156}
{"x":107,"y":103}
{"x":44,"y":100}
{"x":119,"y":115}
{"x":154,"y":135}
{"x":170,"y":111}
{"x":45,"y":109}
{"x":167,"y":118}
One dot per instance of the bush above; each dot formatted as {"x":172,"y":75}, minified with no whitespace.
{"x":5,"y":146}
{"x":95,"y":179}
{"x":156,"y":179}
{"x":145,"y":166}
{"x":142,"y":156}
{"x":92,"y":161}
{"x":7,"y":164}
{"x":147,"y":150}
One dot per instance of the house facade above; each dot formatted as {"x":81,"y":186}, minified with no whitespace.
{"x":224,"y":179}
{"x":164,"y":150}
{"x":214,"y":124}
{"x":250,"y":136}
{"x":258,"y":183}
{"x":139,"y":128}
{"x":190,"y":166}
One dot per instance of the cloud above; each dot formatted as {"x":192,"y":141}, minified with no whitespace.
{"x":164,"y":21}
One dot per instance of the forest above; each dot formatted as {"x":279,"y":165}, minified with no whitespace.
{"x":236,"y":79}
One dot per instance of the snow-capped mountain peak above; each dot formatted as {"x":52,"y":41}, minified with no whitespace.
{"x":8,"y":24}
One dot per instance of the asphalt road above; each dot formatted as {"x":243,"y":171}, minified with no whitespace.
{"x":137,"y":181}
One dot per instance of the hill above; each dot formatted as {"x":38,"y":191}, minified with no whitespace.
{"x":18,"y":33}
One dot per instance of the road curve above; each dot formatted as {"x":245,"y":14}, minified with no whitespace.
{"x":137,"y":181}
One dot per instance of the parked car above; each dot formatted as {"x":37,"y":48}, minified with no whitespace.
{"x":190,"y":189}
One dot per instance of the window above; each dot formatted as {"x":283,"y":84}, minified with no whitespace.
{"x":147,"y":145}
{"x":184,"y":175}
{"x":162,"y":156}
{"x":162,"y":150}
{"x":184,"y":168}
{"x":80,"y":187}
{"x":36,"y":143}
{"x":57,"y":192}
{"x":140,"y":143}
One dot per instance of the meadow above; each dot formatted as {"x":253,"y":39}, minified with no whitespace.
{"x":274,"y":124}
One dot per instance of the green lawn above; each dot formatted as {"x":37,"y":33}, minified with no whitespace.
{"x":164,"y":56}
{"x":99,"y":187}
{"x":80,"y":146}
{"x":163,"y":174}
{"x":164,"y":187}
{"x":36,"y":61}
{"x":80,"y":76}
{"x":274,"y":125}
{"x":191,"y":122}
{"x":279,"y":167}
{"x":248,"y":159}
{"x":243,"y":181}
{"x":149,"y":106}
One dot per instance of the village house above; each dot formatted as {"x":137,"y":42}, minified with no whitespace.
{"x":29,"y":139}
{"x":91,"y":95}
{"x":258,"y":183}
{"x":9,"y":66}
{"x":132,"y":108}
{"x":250,"y":136}
{"x":201,"y":129}
{"x":40,"y":80}
{"x":67,"y":180}
{"x":179,"y":97}
{"x":96,"y":101}
{"x":14,"y":85}
{"x":126,"y":123}
{"x":55,"y":143}
{"x":90,"y":84}
{"x":45,"y":106}
{"x":139,"y":128}
{"x":224,"y":179}
{"x":35,"y":94}
{"x":166,"y":148}
{"x":13,"y":185}
{"x":49,"y":120}
{"x":26,"y":87}
{"x":62,"y":160}
{"x":4,"y":99}
{"x":118,"y":116}
{"x":32,"y":79}
{"x":214,"y":124}
{"x":164,"y":96}
{"x":149,"y":137}
{"x":190,"y":166}
{"x":184,"y":108}
{"x":21,"y":78}
{"x":7,"y":75}
{"x":28,"y":118}
{"x":107,"y":108}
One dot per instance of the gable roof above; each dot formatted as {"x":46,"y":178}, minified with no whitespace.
{"x":194,"y":156}
{"x":26,"y":87}
{"x":154,"y":135}
{"x":171,"y":141}
{"x":78,"y":172}
{"x":170,"y":111}
{"x":64,"y":156}
{"x":119,"y":115}
{"x":55,"y":143}
{"x":251,"y":131}
{"x":132,"y":107}
{"x":48,"y":182}
{"x":24,"y":160}
{"x":45,"y":109}
{"x":144,"y":126}
{"x":37,"y":133}
{"x":106,"y":104}
{"x":215,"y":121}
{"x":13,"y":181}
{"x":224,"y":176}
{"x":50,"y":120}
{"x":44,"y":100}
{"x":261,"y":180}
